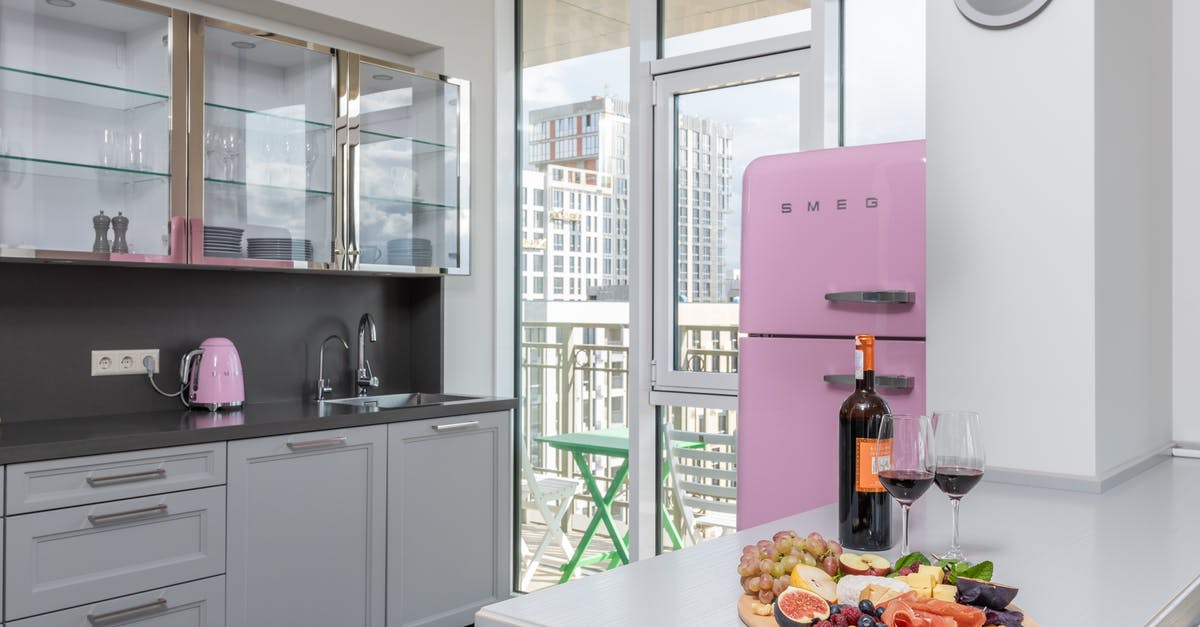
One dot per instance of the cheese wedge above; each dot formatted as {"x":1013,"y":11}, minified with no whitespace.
{"x":933,"y":572}
{"x":945,"y":592}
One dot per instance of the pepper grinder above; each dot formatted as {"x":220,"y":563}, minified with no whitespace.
{"x":100,"y":223}
{"x":120,"y":225}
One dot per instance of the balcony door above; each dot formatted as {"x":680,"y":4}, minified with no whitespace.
{"x":710,"y":122}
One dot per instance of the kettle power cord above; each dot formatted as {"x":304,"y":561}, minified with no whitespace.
{"x":148,"y":363}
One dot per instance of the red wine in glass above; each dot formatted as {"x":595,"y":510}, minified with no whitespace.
{"x":960,"y":461}
{"x":907,"y":486}
{"x":907,"y":471}
{"x":956,"y":481}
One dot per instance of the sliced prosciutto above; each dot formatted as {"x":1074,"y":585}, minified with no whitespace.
{"x":909,"y":610}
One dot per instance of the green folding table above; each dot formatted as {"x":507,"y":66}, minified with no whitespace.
{"x":612,"y":442}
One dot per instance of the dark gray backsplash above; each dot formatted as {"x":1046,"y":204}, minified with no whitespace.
{"x":53,"y":316}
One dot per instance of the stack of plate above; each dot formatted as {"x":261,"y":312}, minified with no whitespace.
{"x":222,"y":241}
{"x":410,"y":252}
{"x":279,"y":248}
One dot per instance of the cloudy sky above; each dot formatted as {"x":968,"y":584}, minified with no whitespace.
{"x":884,"y":85}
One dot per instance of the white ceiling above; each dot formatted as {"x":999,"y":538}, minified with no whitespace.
{"x":553,"y":30}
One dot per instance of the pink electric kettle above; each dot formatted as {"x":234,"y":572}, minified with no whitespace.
{"x":213,"y":375}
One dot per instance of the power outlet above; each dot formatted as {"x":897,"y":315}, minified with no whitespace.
{"x":123,"y":361}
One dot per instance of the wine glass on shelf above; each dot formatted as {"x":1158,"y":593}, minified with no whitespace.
{"x":231,"y":146}
{"x":905,"y":462}
{"x":960,"y":459}
{"x":310,"y":159}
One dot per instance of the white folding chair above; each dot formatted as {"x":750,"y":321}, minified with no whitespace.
{"x":541,"y":490}
{"x":704,"y":481}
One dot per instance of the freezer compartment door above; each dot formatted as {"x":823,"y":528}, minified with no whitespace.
{"x":788,"y":418}
{"x":833,"y":242}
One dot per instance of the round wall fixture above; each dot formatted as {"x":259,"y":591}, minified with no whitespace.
{"x":999,"y":13}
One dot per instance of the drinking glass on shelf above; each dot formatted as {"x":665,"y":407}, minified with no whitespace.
{"x":907,"y":472}
{"x":310,"y":159}
{"x":960,"y":460}
{"x":212,"y":140}
{"x":110,"y":148}
{"x":231,"y":148}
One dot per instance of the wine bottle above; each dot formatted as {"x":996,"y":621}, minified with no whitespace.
{"x":864,"y":507}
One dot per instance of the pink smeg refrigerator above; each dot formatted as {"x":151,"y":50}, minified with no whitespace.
{"x":833,"y":244}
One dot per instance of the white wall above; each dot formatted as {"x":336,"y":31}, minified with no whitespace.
{"x":1133,"y":231}
{"x":1049,"y":232}
{"x":1010,"y":211}
{"x":1186,"y":253}
{"x":469,"y":39}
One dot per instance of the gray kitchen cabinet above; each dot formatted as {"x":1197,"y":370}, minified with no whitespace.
{"x":193,"y":604}
{"x":66,"y":557}
{"x":449,"y":518}
{"x":306,"y":528}
{"x":36,"y":486}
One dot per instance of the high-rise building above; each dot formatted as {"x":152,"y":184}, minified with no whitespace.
{"x":580,"y":152}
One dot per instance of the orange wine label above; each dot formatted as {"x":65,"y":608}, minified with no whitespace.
{"x":873,"y":456}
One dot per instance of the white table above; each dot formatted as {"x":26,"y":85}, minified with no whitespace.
{"x":1060,"y":548}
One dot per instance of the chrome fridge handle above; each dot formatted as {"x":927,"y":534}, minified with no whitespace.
{"x":896,"y":381}
{"x":885,"y":297}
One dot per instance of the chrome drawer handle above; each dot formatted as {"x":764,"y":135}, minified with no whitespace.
{"x":148,"y":475}
{"x":896,"y":381}
{"x":157,"y":510}
{"x":892,"y":297}
{"x":157,"y":606}
{"x":311,"y":444}
{"x":456,"y":425}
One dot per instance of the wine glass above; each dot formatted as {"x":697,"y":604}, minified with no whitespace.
{"x":231,"y":146}
{"x":960,"y":460}
{"x":310,"y":159}
{"x":905,"y":462}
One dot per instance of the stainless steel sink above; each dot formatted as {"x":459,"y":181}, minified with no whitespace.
{"x":396,"y":401}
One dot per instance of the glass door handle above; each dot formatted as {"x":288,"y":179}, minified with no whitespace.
{"x":895,"y":381}
{"x":886,"y":297}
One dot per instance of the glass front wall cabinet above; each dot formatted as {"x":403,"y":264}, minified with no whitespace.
{"x":265,"y":148}
{"x":91,"y":166}
{"x":405,"y":141}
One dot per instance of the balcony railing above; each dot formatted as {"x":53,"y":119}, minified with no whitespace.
{"x":574,"y":377}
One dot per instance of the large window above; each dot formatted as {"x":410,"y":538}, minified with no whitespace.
{"x":753,"y":87}
{"x":574,"y":115}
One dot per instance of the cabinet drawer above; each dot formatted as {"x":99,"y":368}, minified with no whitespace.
{"x":38,"y":486}
{"x":195,"y":604}
{"x":68,"y":557}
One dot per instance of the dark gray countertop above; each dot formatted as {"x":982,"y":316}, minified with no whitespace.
{"x":91,"y":435}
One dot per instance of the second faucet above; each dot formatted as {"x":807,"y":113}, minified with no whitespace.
{"x":364,"y":379}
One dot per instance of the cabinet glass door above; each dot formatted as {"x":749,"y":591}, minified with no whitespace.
{"x":85,"y":135}
{"x":267,"y":152}
{"x":411,"y":212}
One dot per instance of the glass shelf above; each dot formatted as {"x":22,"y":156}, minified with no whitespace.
{"x":272,"y":188}
{"x":78,"y":171}
{"x":271,"y":116}
{"x":419,"y":146}
{"x":424,"y":204}
{"x":16,"y":81}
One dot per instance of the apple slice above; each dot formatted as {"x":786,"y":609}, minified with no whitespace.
{"x":853,"y":564}
{"x":877,"y":564}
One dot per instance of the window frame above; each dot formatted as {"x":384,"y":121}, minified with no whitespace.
{"x":799,"y":61}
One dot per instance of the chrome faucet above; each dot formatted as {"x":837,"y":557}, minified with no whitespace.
{"x":364,"y":379}
{"x":323,"y":386}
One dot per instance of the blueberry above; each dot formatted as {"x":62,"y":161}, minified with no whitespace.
{"x":866,"y":606}
{"x":835,"y":609}
{"x":879,"y":612}
{"x":866,"y":621}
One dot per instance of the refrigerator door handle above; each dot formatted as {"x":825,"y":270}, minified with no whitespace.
{"x":886,"y":297}
{"x":895,"y":381}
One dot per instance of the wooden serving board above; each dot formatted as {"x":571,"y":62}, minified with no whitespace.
{"x":749,"y":618}
{"x":746,"y":603}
